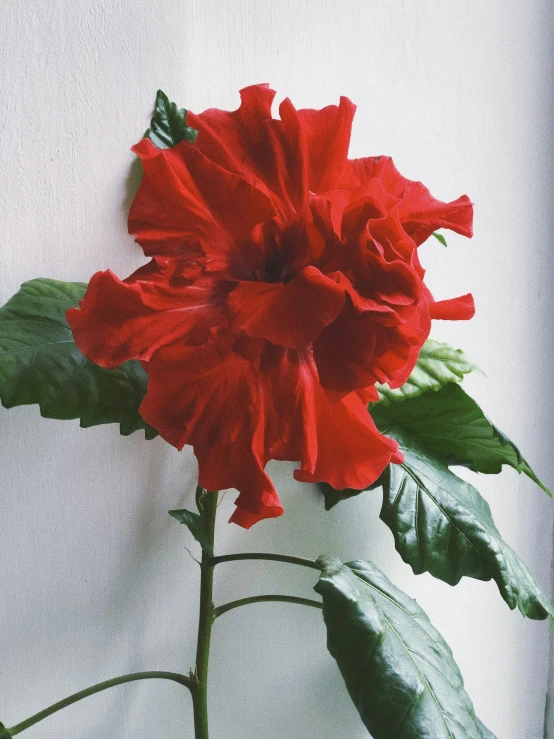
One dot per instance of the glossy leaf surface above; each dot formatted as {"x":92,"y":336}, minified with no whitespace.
{"x":169,"y":124}
{"x":451,"y":426}
{"x":438,"y":364}
{"x":39,"y":363}
{"x":442,"y":525}
{"x":398,"y":669}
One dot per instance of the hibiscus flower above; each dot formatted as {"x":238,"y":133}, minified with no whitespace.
{"x":284,"y":283}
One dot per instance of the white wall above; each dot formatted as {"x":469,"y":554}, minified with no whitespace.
{"x":94,"y":578}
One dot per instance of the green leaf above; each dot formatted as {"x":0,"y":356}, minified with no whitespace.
{"x":332,"y":496}
{"x":442,"y":525}
{"x":437,"y":365}
{"x":440,"y":237}
{"x":398,"y":669}
{"x":168,"y":125}
{"x":452,"y":427}
{"x":39,"y":363}
{"x":194,"y":523}
{"x":4,"y":733}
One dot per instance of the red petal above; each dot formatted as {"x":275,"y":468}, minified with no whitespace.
{"x":119,"y":320}
{"x":373,"y":339}
{"x":237,"y":466}
{"x":289,"y":315}
{"x":305,"y":150}
{"x":351,"y":452}
{"x":305,"y":422}
{"x":237,"y":416}
{"x":455,"y":309}
{"x":326,"y":138}
{"x":288,"y":392}
{"x":235,"y":139}
{"x":212,"y":398}
{"x":420,"y":213}
{"x":187,"y":205}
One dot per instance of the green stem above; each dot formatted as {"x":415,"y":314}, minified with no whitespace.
{"x":263,"y":555}
{"x":187,"y":682}
{"x":207,"y":503}
{"x":220,"y":610}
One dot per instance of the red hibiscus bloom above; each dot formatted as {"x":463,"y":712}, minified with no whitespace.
{"x":284,"y":283}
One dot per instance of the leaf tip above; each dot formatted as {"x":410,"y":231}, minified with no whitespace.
{"x":440,"y":238}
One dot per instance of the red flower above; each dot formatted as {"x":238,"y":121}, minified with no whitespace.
{"x":284,"y":283}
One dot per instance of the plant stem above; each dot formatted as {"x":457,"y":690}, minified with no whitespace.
{"x":182,"y":679}
{"x":207,"y":503}
{"x":220,"y":610}
{"x":263,"y":555}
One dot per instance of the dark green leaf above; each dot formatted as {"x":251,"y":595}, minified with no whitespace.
{"x":332,"y":496}
{"x":452,"y":427}
{"x":4,"y":733}
{"x":437,"y":365}
{"x":440,"y":237}
{"x":442,"y":525}
{"x":168,"y":126}
{"x":39,"y":363}
{"x":194,"y":523}
{"x":398,"y":669}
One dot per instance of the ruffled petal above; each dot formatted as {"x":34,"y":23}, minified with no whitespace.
{"x":290,"y":315}
{"x":374,"y":337}
{"x":186,"y":206}
{"x":212,"y":398}
{"x":200,"y":394}
{"x":351,"y":453}
{"x":117,"y":320}
{"x":419,"y":212}
{"x":236,"y":139}
{"x":238,"y":466}
{"x":290,"y":421}
{"x":304,"y":150}
{"x":325,"y":137}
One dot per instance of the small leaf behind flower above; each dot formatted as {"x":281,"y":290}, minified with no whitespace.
{"x":40,"y":363}
{"x":440,"y":237}
{"x":168,"y":126}
{"x":194,"y":523}
{"x":332,"y":496}
{"x":399,"y":671}
{"x":438,"y":364}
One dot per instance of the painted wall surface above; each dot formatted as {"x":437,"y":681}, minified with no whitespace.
{"x":94,"y":577}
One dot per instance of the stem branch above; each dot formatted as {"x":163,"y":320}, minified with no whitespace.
{"x":220,"y":610}
{"x":181,"y":679}
{"x":264,"y":555}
